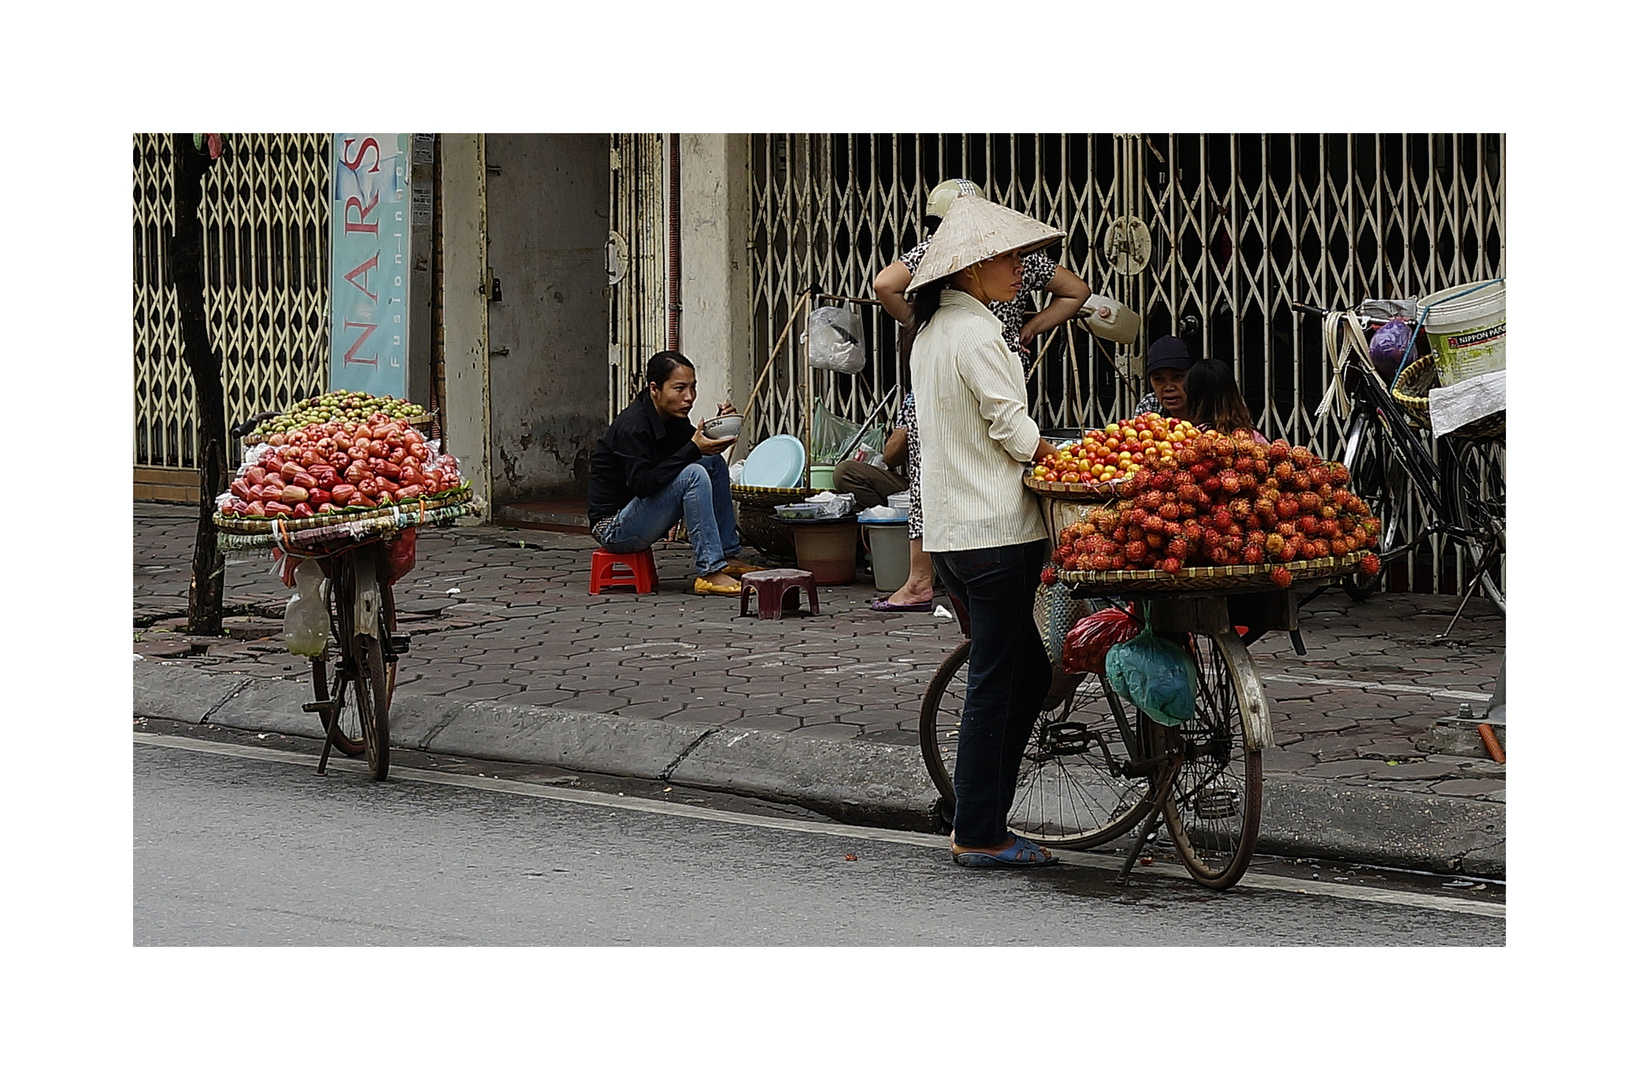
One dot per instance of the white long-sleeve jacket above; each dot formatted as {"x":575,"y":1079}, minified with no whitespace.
{"x":975,"y":432}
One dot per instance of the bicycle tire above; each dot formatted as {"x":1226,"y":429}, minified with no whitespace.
{"x":374,"y":703}
{"x":1067,"y":795}
{"x":1474,"y":471}
{"x":1215,"y":801}
{"x":1364,"y":457}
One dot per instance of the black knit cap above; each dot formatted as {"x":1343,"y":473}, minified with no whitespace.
{"x":1167,"y":352}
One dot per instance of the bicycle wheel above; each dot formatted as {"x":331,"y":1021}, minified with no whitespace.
{"x":1472,"y":485}
{"x":1365,"y":457}
{"x":1068,"y":794}
{"x":1215,"y":801}
{"x":373,"y":701}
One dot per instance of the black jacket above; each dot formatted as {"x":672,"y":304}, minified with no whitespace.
{"x":638,"y":456}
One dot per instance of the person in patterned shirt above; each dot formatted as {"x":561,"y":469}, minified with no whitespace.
{"x":1068,"y":292}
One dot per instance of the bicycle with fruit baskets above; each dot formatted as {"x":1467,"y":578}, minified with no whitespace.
{"x":1096,"y":766}
{"x":361,"y":551}
{"x":1460,"y":484}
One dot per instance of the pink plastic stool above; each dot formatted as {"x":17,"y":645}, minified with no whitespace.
{"x":635,"y":569}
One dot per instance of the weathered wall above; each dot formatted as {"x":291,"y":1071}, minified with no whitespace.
{"x":466,"y":323}
{"x":548,"y":222}
{"x":716,"y":324}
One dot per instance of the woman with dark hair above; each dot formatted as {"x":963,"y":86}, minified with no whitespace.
{"x":1214,"y":401}
{"x":654,"y":468}
{"x":981,"y":525}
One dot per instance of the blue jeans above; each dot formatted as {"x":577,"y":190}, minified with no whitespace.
{"x":701,"y":498}
{"x":1008,"y":675}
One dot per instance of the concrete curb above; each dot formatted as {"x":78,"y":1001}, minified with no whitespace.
{"x":860,"y":783}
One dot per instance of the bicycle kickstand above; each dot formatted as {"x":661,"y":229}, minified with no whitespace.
{"x":1148,"y":832}
{"x":1468,"y":593}
{"x":328,"y":715}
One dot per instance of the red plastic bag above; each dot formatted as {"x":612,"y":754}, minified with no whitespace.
{"x":1091,"y":639}
{"x":400,"y":552}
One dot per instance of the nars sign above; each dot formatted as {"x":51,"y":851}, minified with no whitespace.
{"x":369,"y":272}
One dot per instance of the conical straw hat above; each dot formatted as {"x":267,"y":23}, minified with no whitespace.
{"x":973,"y":230}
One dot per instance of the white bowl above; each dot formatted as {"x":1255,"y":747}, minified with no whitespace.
{"x":723,"y":427}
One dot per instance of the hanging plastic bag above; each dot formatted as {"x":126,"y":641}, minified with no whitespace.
{"x":307,"y":615}
{"x":831,"y":434}
{"x":1089,"y":641}
{"x":1155,"y":675}
{"x":1388,"y":347}
{"x":835,"y":339}
{"x":399,"y":555}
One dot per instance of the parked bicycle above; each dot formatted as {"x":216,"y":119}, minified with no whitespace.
{"x":1460,"y":485}
{"x":360,"y":555}
{"x":1095,"y":767}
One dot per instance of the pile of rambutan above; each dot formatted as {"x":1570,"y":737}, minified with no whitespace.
{"x":1227,"y":500}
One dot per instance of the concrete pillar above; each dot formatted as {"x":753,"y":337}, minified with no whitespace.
{"x":466,"y":312}
{"x":715,"y":233}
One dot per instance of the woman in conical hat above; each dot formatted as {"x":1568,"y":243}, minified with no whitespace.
{"x":1065,"y":295}
{"x":981,"y":525}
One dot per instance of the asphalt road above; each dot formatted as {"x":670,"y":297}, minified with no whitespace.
{"x":239,"y":842}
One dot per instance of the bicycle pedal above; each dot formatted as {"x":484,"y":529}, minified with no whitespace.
{"x":316,"y":706}
{"x":399,"y":644}
{"x":1067,"y":737}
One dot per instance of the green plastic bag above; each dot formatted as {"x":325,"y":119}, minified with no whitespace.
{"x":1155,"y":675}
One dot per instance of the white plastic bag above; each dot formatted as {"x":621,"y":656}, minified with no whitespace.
{"x":834,"y":339}
{"x":307,"y":615}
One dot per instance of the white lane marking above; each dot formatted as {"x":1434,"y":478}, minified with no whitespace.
{"x":1399,"y":688}
{"x":1270,"y":882}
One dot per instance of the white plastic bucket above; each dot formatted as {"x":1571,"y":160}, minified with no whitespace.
{"x":889,"y":545}
{"x":1468,"y":334}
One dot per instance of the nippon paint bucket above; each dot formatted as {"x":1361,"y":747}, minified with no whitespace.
{"x":889,"y":545}
{"x":1467,"y":329}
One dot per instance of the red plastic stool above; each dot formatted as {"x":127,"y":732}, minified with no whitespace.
{"x":635,"y":568}
{"x":778,"y":591}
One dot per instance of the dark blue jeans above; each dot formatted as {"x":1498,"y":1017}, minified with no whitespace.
{"x":701,"y":497}
{"x":1008,"y":675}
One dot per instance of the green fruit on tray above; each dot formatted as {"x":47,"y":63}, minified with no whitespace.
{"x":336,"y":405}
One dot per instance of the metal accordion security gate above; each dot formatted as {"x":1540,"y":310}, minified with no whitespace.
{"x":266,"y":217}
{"x":1210,"y":236}
{"x":635,"y":261}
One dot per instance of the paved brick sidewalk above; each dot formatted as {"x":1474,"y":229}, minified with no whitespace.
{"x":499,"y":614}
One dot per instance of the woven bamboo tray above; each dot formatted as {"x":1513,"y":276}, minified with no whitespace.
{"x":1206,"y":578}
{"x":756,"y":520}
{"x":335,"y":531}
{"x":252,"y":526}
{"x":769,"y":496}
{"x":1411,"y":389}
{"x":1115,"y":489}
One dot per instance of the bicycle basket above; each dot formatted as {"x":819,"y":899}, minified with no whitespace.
{"x":1056,"y":611}
{"x":1411,"y":389}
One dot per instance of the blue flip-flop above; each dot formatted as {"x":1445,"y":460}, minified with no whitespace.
{"x":1021,"y":854}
